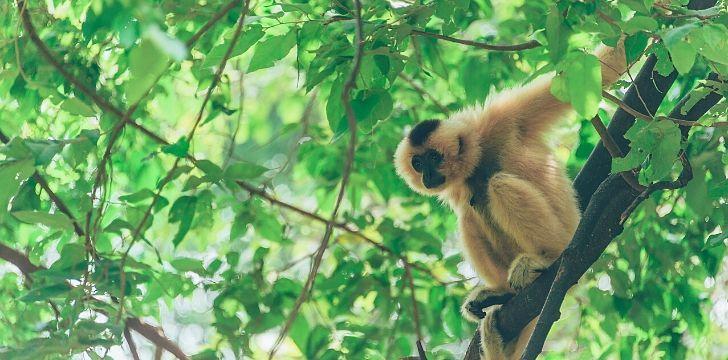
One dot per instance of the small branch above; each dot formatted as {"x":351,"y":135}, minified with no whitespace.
{"x":153,"y":334}
{"x":424,"y":93}
{"x":130,"y":342}
{"x":156,"y":336}
{"x":630,"y":110}
{"x":351,"y":118}
{"x":342,"y":226}
{"x":214,"y":19}
{"x":517,"y":47}
{"x":168,"y":177}
{"x":415,"y":310}
{"x":614,"y":151}
{"x":62,"y":207}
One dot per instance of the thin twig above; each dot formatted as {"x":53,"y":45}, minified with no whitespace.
{"x":415,"y":310}
{"x":170,"y":173}
{"x":614,"y":151}
{"x":150,"y":332}
{"x":424,"y":93}
{"x":642,"y":116}
{"x":351,"y":118}
{"x":517,"y":47}
{"x":130,"y":342}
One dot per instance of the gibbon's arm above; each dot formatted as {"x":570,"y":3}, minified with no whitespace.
{"x":534,"y":109}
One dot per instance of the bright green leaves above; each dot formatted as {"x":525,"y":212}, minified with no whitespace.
{"x":272,"y":49}
{"x":657,"y":142}
{"x":12,"y":174}
{"x":178,"y":149}
{"x":249,"y":37}
{"x":557,"y":34}
{"x":712,"y":40}
{"x":244,"y":171}
{"x":688,"y":41}
{"x":580,"y":83}
{"x":683,"y":56}
{"x":639,"y":23}
{"x":77,"y":107}
{"x":53,"y":221}
{"x":182,"y":212}
{"x":146,"y":63}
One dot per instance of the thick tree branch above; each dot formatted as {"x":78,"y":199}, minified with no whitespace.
{"x":604,"y":199}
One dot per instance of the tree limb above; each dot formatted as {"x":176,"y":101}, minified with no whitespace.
{"x":351,"y":118}
{"x":517,"y":47}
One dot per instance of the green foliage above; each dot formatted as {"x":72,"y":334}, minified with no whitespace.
{"x":220,"y":267}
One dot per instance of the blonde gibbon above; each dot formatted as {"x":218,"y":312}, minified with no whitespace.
{"x":515,"y":205}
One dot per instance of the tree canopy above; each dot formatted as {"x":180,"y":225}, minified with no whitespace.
{"x":211,"y":179}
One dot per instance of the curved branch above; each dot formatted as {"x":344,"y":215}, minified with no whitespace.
{"x":351,"y":118}
{"x":516,"y":47}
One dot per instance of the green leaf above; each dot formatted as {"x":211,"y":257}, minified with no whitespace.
{"x":183,"y":212}
{"x":137,"y":196}
{"x":639,"y":23}
{"x":57,"y":220}
{"x":188,"y":264}
{"x":178,"y":149}
{"x":146,"y":63}
{"x":683,"y":56}
{"x":274,"y":48}
{"x":12,"y":174}
{"x":717,"y":239}
{"x":77,"y":107}
{"x":712,"y":40}
{"x":212,"y":171}
{"x":584,"y":84}
{"x":557,"y":34}
{"x":45,"y":292}
{"x":634,"y":45}
{"x":655,"y":141}
{"x":244,"y":171}
{"x":249,"y":37}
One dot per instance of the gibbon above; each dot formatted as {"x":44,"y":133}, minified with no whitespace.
{"x":515,"y":205}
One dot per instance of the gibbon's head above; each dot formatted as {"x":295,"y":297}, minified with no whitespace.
{"x":436,"y":154}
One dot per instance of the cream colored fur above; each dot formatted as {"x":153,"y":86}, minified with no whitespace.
{"x":531,"y":211}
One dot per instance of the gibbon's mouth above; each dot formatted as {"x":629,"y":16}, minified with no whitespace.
{"x":432,"y":179}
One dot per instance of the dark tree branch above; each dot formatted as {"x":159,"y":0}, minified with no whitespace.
{"x":349,"y":86}
{"x":604,"y":198}
{"x":517,"y":47}
{"x":150,"y":332}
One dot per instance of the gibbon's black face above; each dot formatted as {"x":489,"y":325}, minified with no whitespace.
{"x":435,"y":155}
{"x":427,"y":163}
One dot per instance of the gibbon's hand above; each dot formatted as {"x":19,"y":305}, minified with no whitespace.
{"x":482,"y":298}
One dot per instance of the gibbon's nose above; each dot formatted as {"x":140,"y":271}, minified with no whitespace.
{"x":432,"y":179}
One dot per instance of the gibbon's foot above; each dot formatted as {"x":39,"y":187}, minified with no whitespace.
{"x":491,"y":341}
{"x":481,"y":298}
{"x":524,"y":269}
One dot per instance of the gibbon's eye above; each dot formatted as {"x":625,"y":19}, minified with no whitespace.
{"x":461,"y":145}
{"x":434,"y":157}
{"x":417,"y":163}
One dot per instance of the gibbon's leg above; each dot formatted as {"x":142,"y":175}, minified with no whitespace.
{"x":524,"y":269}
{"x":492,"y":346}
{"x":491,"y":341}
{"x":481,"y":298}
{"x":523,"y":212}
